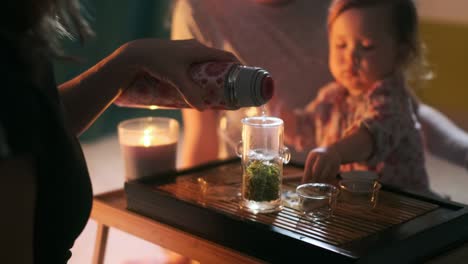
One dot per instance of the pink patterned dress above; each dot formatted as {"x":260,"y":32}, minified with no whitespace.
{"x":386,"y":110}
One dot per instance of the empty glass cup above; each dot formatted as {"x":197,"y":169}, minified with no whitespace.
{"x":360,"y":192}
{"x":263,"y":155}
{"x":317,"y":200}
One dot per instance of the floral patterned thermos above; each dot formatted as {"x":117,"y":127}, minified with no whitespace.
{"x":223,"y":85}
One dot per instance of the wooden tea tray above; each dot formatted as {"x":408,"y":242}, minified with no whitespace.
{"x":204,"y":201}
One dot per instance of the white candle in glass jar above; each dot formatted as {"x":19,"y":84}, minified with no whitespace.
{"x":148,"y":146}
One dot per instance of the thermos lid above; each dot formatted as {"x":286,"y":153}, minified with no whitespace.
{"x":268,"y":88}
{"x":253,"y":86}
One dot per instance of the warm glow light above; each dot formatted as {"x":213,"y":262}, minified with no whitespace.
{"x":223,"y":123}
{"x":147,"y":137}
{"x":252,"y":111}
{"x":153,"y":107}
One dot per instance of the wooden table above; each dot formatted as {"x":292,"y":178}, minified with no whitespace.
{"x":109,"y":210}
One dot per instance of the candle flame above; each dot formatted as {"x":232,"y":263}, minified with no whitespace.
{"x":147,"y":137}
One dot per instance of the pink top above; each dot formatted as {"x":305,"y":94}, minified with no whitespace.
{"x":387,"y":112}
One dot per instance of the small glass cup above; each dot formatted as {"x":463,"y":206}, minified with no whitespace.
{"x":148,"y":146}
{"x":360,"y":192}
{"x":263,"y":155}
{"x":317,"y":201}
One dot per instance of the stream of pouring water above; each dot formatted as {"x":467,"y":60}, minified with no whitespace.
{"x":264,"y":113}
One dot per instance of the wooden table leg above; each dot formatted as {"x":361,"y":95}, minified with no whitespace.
{"x":100,"y":245}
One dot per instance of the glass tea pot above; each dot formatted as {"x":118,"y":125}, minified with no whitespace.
{"x":263,"y":154}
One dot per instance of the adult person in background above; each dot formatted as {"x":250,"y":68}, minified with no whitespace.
{"x":47,"y":190}
{"x":289,"y":39}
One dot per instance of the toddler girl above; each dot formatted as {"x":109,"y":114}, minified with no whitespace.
{"x":365,"y":119}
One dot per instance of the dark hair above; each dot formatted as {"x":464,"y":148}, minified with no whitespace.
{"x":39,"y":24}
{"x":406,"y":30}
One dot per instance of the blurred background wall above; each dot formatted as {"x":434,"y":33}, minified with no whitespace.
{"x":444,"y":29}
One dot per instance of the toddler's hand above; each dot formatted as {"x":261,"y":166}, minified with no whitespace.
{"x":322,"y":165}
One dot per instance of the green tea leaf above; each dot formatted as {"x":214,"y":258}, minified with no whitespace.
{"x":262,"y":181}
